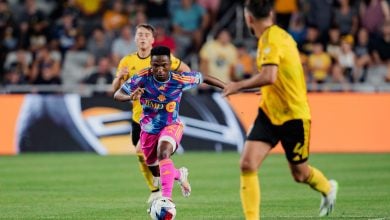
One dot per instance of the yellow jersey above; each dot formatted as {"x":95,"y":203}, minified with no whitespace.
{"x":286,"y":99}
{"x":134,"y":64}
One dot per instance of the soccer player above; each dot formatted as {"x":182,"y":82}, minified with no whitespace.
{"x":128,"y":66}
{"x":284,"y":113}
{"x":159,"y":90}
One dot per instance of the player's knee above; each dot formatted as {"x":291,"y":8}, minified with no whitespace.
{"x":164,"y":150}
{"x":299,"y":177}
{"x":247,"y":166}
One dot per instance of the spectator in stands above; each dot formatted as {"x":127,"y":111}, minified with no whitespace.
{"x":189,"y":22}
{"x":320,"y":15}
{"x":373,"y":13}
{"x":218,"y":58}
{"x":100,"y":43}
{"x":6,"y":17}
{"x":123,"y":45}
{"x":246,"y":64}
{"x":9,"y":39}
{"x":343,"y":70}
{"x":33,"y":16}
{"x":23,"y":35}
{"x":319,"y":65}
{"x":297,"y":29}
{"x":212,"y":7}
{"x":284,"y":10}
{"x":346,"y":18}
{"x":381,"y":53}
{"x":14,"y":75}
{"x":66,"y":32}
{"x":362,"y":52}
{"x":21,"y":58}
{"x":101,"y":78}
{"x":114,"y":18}
{"x":89,"y":8}
{"x":163,"y":39}
{"x":333,"y":45}
{"x":37,"y":25}
{"x":312,"y":35}
{"x":157,"y":13}
{"x":45,"y":69}
{"x":65,"y":7}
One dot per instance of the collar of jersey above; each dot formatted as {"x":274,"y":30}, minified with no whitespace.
{"x":169,"y":78}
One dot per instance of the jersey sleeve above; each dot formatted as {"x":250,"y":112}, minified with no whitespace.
{"x":131,"y":84}
{"x":269,"y":54}
{"x":188,"y":80}
{"x":123,"y":63}
{"x":270,"y":51}
{"x":175,"y":63}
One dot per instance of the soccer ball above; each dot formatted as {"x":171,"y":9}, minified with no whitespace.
{"x":162,"y":209}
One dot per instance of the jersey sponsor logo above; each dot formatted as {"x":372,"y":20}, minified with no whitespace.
{"x":170,"y":107}
{"x":154,"y":105}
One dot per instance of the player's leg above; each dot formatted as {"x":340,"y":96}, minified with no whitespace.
{"x":260,"y":141}
{"x":295,"y":140}
{"x":169,"y":138}
{"x":253,"y":154}
{"x":146,"y":172}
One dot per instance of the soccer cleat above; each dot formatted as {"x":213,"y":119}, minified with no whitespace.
{"x":153,"y":196}
{"x":183,"y":182}
{"x":328,"y":202}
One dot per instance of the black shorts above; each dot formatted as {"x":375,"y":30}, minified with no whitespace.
{"x":135,"y":132}
{"x":294,"y":136}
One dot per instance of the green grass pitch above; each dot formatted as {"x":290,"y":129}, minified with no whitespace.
{"x":87,"y":186}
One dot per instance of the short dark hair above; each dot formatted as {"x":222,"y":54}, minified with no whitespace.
{"x":259,"y":8}
{"x":160,"y":50}
{"x":146,"y":26}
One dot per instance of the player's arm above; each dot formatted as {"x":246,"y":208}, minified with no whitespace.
{"x":119,"y":78}
{"x":213,"y":81}
{"x":130,"y":90}
{"x":267,"y":76}
{"x":122,"y":74}
{"x":183,"y":67}
{"x":178,"y":65}
{"x":122,"y":95}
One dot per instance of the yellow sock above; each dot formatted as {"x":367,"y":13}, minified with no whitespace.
{"x":250,"y":195}
{"x":318,"y":181}
{"x":146,"y":172}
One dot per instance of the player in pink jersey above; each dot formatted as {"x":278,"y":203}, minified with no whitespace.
{"x":159,"y":90}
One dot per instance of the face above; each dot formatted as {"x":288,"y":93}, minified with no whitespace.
{"x":144,"y":38}
{"x":161,"y":65}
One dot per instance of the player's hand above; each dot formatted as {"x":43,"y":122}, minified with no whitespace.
{"x":231,"y":88}
{"x":123,"y":73}
{"x":136,"y":95}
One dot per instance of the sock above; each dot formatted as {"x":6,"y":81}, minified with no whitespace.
{"x":250,"y":195}
{"x":318,"y":181}
{"x":146,"y":173}
{"x":167,"y":176}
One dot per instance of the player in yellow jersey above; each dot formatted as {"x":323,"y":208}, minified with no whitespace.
{"x":284,"y":113}
{"x":128,"y":66}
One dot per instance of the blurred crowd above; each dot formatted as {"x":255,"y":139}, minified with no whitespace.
{"x":80,"y":42}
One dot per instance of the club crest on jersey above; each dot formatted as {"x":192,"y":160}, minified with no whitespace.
{"x":161,"y":98}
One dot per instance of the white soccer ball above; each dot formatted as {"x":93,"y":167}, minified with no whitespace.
{"x":162,"y":209}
